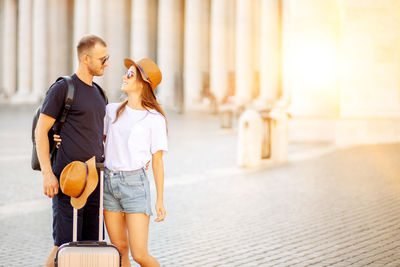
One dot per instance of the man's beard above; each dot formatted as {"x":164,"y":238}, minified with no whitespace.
{"x":94,"y":72}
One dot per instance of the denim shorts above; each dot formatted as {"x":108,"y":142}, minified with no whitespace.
{"x":127,"y":191}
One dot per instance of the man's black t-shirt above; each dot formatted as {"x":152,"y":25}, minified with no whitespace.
{"x":82,"y":132}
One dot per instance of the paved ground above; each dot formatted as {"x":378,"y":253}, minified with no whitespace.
{"x":340,"y":208}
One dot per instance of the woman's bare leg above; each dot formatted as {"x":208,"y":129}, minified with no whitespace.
{"x":116,"y":229}
{"x":138,"y":228}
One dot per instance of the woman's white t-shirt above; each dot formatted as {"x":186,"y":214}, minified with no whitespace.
{"x":132,"y":140}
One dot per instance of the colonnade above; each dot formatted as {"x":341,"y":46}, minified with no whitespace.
{"x":223,"y":49}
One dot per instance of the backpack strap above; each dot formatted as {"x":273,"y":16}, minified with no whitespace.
{"x":101,"y":91}
{"x":69,"y":99}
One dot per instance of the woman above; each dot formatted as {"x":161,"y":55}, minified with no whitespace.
{"x":135,"y":132}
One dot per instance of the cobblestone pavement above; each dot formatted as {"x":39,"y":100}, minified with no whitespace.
{"x":331,"y":208}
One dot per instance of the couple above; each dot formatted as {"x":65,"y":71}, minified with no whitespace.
{"x":135,"y":132}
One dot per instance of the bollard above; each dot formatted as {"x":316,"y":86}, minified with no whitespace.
{"x":249,"y":139}
{"x":266,"y":134}
{"x":279,"y":135}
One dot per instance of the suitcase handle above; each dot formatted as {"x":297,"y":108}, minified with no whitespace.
{"x":101,"y":222}
{"x":100,"y":166}
{"x":88,"y":243}
{"x":101,"y":219}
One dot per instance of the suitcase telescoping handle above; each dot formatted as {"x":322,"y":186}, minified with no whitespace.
{"x":100,"y":166}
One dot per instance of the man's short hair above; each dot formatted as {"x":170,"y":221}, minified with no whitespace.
{"x":87,"y":42}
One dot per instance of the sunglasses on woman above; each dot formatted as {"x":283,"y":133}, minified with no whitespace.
{"x":130,"y":73}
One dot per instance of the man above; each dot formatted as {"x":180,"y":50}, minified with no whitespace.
{"x":82,"y":138}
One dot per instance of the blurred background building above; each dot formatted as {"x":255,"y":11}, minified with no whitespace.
{"x":333,"y":63}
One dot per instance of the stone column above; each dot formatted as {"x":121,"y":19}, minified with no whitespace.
{"x":143,"y":29}
{"x":153,"y":28}
{"x":244,"y":49}
{"x":24,"y":52}
{"x":59,"y":51}
{"x":286,"y":8}
{"x":39,"y":48}
{"x":97,"y":23}
{"x":369,"y":68}
{"x":170,"y":56}
{"x":231,"y":49}
{"x":2,"y":40}
{"x":117,"y":37}
{"x":196,"y":50}
{"x":81,"y":26}
{"x":24,"y":68}
{"x":270,"y":63}
{"x":96,"y":17}
{"x":219,"y":51}
{"x":8,"y":60}
{"x":310,"y":42}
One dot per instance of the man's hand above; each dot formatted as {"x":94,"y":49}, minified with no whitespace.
{"x":57,"y":139}
{"x":50,"y":184}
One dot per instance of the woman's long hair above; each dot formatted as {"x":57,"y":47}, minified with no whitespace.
{"x":148,"y":100}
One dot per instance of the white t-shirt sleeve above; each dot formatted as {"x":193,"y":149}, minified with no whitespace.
{"x":106,"y":120}
{"x":158,"y":135}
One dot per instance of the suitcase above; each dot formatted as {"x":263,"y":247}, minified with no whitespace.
{"x":89,"y":253}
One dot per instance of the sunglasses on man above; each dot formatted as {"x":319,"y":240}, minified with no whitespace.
{"x":103,"y":59}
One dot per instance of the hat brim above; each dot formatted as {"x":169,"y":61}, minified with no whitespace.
{"x":92,"y":181}
{"x":128,"y":63}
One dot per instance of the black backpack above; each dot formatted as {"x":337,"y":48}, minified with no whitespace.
{"x":58,"y":124}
